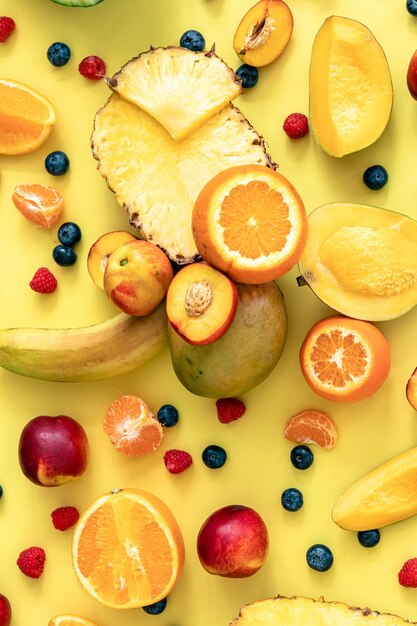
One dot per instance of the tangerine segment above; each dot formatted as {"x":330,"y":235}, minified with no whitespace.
{"x":312,"y":426}
{"x":40,"y":204}
{"x":132,"y":426}
{"x":128,"y":549}
{"x":345,"y":359}
{"x":70,"y":620}
{"x":26,"y":118}
{"x":249,"y":222}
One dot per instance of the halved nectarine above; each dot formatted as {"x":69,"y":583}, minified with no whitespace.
{"x":201,"y":303}
{"x":263,"y":32}
{"x":101,"y":250}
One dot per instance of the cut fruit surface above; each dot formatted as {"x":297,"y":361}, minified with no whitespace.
{"x":201,"y":303}
{"x":301,"y":610}
{"x":411,"y":389}
{"x":350,"y":87}
{"x":128,"y":549}
{"x":70,"y":620}
{"x":26,"y":118}
{"x":174,"y":85}
{"x":249,"y":222}
{"x":40,"y":204}
{"x":132,"y":427}
{"x":344,"y":359}
{"x":157,"y":179}
{"x":312,"y":426}
{"x":385,"y":495}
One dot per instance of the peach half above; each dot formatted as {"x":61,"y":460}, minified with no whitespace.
{"x":201,"y":303}
{"x":100,"y":252}
{"x":411,"y":389}
{"x":263,"y":32}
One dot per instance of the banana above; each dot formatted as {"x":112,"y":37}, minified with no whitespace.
{"x":89,"y":353}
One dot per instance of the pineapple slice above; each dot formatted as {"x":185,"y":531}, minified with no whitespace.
{"x":178,"y":87}
{"x":299,"y":610}
{"x":157,"y":179}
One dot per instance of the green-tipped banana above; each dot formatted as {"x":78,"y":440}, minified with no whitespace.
{"x":96,"y":352}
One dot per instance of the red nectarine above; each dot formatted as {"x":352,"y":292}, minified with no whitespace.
{"x":5,"y":611}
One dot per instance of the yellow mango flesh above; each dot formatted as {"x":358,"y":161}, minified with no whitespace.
{"x":350,"y":87}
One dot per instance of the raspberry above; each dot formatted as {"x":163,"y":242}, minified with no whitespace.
{"x":92,"y":67}
{"x":7,"y":26}
{"x":176,"y":461}
{"x":407,"y":576}
{"x":64,"y":517}
{"x":31,"y":561}
{"x":229,"y":409}
{"x":296,"y":125}
{"x":43,"y":281}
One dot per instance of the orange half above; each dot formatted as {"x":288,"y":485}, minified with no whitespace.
{"x":40,"y":204}
{"x":128,"y":549}
{"x":26,"y":118}
{"x":70,"y":620}
{"x":250,"y":222}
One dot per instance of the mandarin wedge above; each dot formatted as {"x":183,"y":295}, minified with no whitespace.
{"x":40,"y":204}
{"x":250,"y":223}
{"x":70,"y":620}
{"x":26,"y":118}
{"x":344,"y":359}
{"x":312,"y":426}
{"x":128,"y":549}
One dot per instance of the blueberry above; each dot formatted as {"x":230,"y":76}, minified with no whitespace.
{"x":375,"y":177}
{"x":214,"y":456}
{"x":411,"y":6}
{"x":168,"y":415}
{"x":319,"y":557}
{"x":1,"y":491}
{"x":69,"y":234}
{"x":64,"y":255}
{"x":301,"y":457}
{"x":193,"y":40}
{"x":248,"y":75}
{"x":292,"y":499}
{"x":156,"y":608}
{"x":57,"y":163}
{"x":58,"y":54}
{"x":369,"y":538}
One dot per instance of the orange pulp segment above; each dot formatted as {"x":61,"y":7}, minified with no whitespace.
{"x":40,"y":204}
{"x":250,"y":222}
{"x":312,"y":426}
{"x":128,"y":549}
{"x":70,"y":620}
{"x":26,"y":118}
{"x":132,"y":426}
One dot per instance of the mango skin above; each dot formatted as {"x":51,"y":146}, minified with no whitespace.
{"x":245,"y":355}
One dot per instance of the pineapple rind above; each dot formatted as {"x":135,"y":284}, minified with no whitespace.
{"x":157,"y":179}
{"x":180,"y":88}
{"x":300,"y":610}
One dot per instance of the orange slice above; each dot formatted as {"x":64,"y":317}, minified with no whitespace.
{"x":132,"y":426}
{"x":26,"y":118}
{"x":345,"y":359}
{"x":249,"y":222}
{"x":40,"y":204}
{"x":312,"y":426}
{"x":128,"y":549}
{"x":70,"y":620}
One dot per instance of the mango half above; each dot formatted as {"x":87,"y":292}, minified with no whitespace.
{"x":361,"y":260}
{"x":350,"y":87}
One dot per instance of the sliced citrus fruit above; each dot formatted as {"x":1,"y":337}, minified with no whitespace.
{"x":249,"y":222}
{"x":312,"y":426}
{"x":345,"y":359}
{"x":385,"y":495}
{"x":26,"y":118}
{"x":40,"y":204}
{"x":132,"y":427}
{"x":70,"y":620}
{"x":128,"y":549}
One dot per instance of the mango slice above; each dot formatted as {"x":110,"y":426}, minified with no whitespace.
{"x":350,"y":87}
{"x":386,"y":495}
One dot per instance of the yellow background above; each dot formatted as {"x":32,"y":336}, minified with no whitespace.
{"x":258,"y":466}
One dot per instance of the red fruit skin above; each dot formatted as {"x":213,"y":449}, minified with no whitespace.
{"x":53,"y":450}
{"x":412,"y":76}
{"x":5,"y":611}
{"x":233,"y":542}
